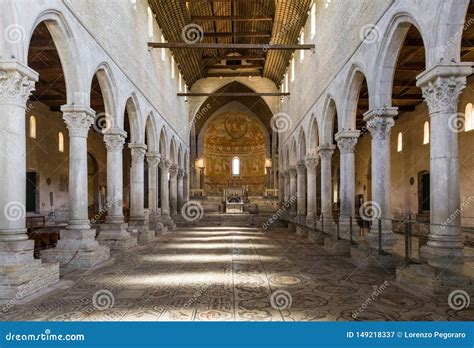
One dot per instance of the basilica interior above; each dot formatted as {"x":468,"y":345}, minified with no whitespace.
{"x":237,"y":160}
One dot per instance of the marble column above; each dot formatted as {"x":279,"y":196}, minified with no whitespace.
{"x":165,"y":202}
{"x":286,"y":186}
{"x":77,"y":247}
{"x":346,"y":141}
{"x":114,"y":232}
{"x":173,"y":190}
{"x":20,"y":274}
{"x":185,"y":187}
{"x":153,"y":158}
{"x":138,"y":224}
{"x":380,"y":123}
{"x":301,"y":187}
{"x":180,"y":193}
{"x":325,"y":155}
{"x":293,"y":190}
{"x":281,"y":188}
{"x":441,"y":86}
{"x":311,"y":167}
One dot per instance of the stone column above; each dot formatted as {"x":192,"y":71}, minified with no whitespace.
{"x":173,"y":189}
{"x":281,"y":188}
{"x":380,"y":123}
{"x":180,"y":189}
{"x":165,"y":203}
{"x":138,"y":223}
{"x":346,"y":141}
{"x":153,"y":158}
{"x":185,"y":187}
{"x":311,"y":167}
{"x":286,"y":186}
{"x":77,"y":247}
{"x":293,"y":190}
{"x":20,"y":274}
{"x":301,"y":209}
{"x":325,"y":154}
{"x":441,"y":86}
{"x":114,"y":232}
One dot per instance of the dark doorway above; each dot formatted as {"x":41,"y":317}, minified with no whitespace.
{"x":424,"y":192}
{"x":31,"y":191}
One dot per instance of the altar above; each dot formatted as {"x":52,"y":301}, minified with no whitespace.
{"x":234,"y":200}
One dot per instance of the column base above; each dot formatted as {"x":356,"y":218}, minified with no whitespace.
{"x":77,"y":249}
{"x":116,"y":236}
{"x":388,"y":240}
{"x":432,"y":281}
{"x":168,"y":222}
{"x":365,"y":256}
{"x":345,"y":229}
{"x":452,"y":258}
{"x":140,"y":230}
{"x":327,"y":225}
{"x":23,"y":278}
{"x":311,"y":222}
{"x":160,"y":229}
{"x":336,"y":247}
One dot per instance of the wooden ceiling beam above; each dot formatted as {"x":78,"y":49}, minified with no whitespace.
{"x":232,"y":94}
{"x":232,"y":18}
{"x":236,"y":74}
{"x":226,"y":58}
{"x":217,"y":46}
{"x":235,"y":67}
{"x":237,"y":34}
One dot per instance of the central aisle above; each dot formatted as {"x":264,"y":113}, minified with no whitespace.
{"x":230,"y":274}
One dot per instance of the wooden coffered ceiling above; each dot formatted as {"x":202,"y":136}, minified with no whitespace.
{"x":234,"y":24}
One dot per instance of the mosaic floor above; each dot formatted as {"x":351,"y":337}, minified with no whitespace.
{"x":236,"y":274}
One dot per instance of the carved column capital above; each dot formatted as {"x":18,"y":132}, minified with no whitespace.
{"x":173,"y":170}
{"x":347,"y":140}
{"x":442,"y":84}
{"x":181,"y":173}
{"x":292,"y":172}
{"x":153,"y":159}
{"x":17,"y":81}
{"x":114,"y":139}
{"x":138,"y":153}
{"x":312,"y":164}
{"x":165,"y":165}
{"x":325,"y":152}
{"x":78,"y":119}
{"x":380,"y":122}
{"x":301,"y":167}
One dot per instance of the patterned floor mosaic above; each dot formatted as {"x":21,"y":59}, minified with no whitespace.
{"x":231,"y":274}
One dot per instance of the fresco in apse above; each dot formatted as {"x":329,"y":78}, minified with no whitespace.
{"x":234,"y":134}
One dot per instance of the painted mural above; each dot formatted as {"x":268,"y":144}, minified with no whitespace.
{"x":229,"y":135}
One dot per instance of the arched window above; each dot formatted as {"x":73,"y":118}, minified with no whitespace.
{"x":150,"y":23}
{"x":426,"y":133}
{"x":400,"y":142}
{"x":236,"y":166}
{"x":468,"y":119}
{"x":61,"y":142}
{"x":302,"y":43}
{"x":313,"y":20}
{"x":293,"y":69}
{"x":172,"y":68}
{"x":32,"y":127}
{"x":163,"y":50}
